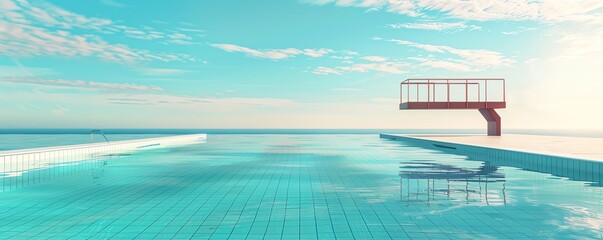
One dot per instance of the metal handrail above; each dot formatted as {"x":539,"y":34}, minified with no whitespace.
{"x":97,"y":131}
{"x":449,"y":81}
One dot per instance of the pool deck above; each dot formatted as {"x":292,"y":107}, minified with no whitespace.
{"x":571,"y":147}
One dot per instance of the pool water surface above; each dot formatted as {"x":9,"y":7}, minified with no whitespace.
{"x":309,"y":186}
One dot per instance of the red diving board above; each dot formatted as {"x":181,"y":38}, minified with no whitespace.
{"x":484,"y":94}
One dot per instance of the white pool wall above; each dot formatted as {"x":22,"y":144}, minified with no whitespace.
{"x":16,"y":162}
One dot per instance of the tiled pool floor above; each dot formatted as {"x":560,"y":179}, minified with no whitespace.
{"x":302,"y":187}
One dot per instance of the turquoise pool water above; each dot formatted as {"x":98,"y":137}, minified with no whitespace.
{"x":308,"y":186}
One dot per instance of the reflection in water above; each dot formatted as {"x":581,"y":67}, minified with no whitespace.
{"x":58,"y":166}
{"x":434,"y":183}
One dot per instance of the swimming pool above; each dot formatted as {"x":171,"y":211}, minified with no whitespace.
{"x":311,"y":186}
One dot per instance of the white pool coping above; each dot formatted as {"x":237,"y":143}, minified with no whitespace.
{"x":164,"y":141}
{"x":16,"y":162}
{"x":590,"y":149}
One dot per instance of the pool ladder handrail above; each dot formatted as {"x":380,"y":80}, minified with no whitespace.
{"x":97,"y":131}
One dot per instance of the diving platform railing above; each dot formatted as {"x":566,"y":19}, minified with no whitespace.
{"x":484,"y":94}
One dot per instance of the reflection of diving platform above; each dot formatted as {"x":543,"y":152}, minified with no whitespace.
{"x":484,"y":94}
{"x":434,"y":182}
{"x":577,"y":158}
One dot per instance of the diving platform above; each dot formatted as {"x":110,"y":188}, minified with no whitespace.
{"x":483,"y":94}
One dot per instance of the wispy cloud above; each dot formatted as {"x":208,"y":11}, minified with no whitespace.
{"x":275,"y":54}
{"x":464,"y":59}
{"x":180,"y":38}
{"x":518,"y":31}
{"x":161,"y":99}
{"x":81,"y":84}
{"x":46,"y":14}
{"x":435,"y":26}
{"x":437,"y":56}
{"x":149,"y":33}
{"x":400,"y":7}
{"x":194,"y":30}
{"x":375,"y":58}
{"x":383,"y":67}
{"x":326,"y":71}
{"x":513,"y":10}
{"x":39,"y":29}
{"x":452,"y":65}
{"x":583,"y":45}
{"x":140,"y":34}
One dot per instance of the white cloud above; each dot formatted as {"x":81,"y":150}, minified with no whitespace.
{"x":513,"y":10}
{"x":326,"y":71}
{"x":149,"y":33}
{"x":42,"y":13}
{"x":80,"y":84}
{"x":317,"y":52}
{"x":384,"y":67}
{"x":436,"y":26}
{"x":465,"y":59}
{"x":452,"y":65}
{"x":582,"y":44}
{"x":140,"y":34}
{"x":395,"y":6}
{"x":180,"y":38}
{"x":271,"y":54}
{"x":342,"y":57}
{"x":375,"y":58}
{"x":372,"y":10}
{"x":25,"y":41}
{"x":173,"y":100}
{"x":43,"y":29}
{"x":194,"y":30}
{"x":443,"y":57}
{"x":275,"y":54}
{"x":518,"y":31}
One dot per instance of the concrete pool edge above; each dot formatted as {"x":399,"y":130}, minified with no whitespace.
{"x":579,"y":169}
{"x":136,"y":143}
{"x":17,"y":162}
{"x":415,"y":138}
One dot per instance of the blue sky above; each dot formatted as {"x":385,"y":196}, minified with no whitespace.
{"x":292,"y":64}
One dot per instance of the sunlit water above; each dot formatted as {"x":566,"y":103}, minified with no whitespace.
{"x":300,"y":187}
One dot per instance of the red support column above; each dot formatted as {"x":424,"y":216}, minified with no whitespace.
{"x":493,"y":119}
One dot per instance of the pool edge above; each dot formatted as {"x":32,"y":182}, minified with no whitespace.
{"x":472,"y":147}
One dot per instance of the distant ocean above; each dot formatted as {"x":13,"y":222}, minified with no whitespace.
{"x":554,"y":132}
{"x":11,"y":139}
